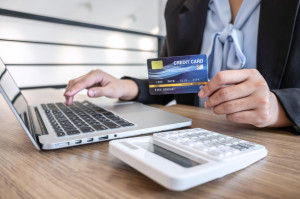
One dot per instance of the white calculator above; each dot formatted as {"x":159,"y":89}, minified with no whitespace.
{"x":182,"y":159}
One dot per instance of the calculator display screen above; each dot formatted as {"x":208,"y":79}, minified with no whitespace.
{"x":169,"y":155}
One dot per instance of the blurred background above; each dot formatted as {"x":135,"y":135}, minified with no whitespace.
{"x":45,"y":43}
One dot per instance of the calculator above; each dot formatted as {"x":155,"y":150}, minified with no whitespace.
{"x":182,"y":159}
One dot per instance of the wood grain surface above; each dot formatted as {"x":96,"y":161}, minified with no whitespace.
{"x":91,"y":172}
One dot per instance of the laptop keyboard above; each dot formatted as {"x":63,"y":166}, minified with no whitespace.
{"x":82,"y":117}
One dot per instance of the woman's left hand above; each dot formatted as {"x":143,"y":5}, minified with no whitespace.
{"x":244,"y":97}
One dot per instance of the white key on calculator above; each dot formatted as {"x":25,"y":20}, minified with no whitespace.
{"x":200,"y":142}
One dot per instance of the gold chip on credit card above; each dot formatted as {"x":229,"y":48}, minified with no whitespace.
{"x":157,"y":64}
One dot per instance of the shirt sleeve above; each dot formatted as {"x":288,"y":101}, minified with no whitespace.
{"x":289,"y":99}
{"x":144,"y":94}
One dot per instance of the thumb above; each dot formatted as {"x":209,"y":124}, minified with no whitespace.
{"x":100,"y":91}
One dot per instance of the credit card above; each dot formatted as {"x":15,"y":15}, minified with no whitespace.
{"x":175,"y":75}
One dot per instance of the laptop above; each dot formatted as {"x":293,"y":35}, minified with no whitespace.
{"x":54,"y":125}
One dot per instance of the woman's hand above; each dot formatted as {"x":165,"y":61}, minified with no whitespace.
{"x":244,"y":97}
{"x":100,"y":84}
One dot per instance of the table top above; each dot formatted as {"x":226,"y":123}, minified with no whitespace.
{"x":90,"y":171}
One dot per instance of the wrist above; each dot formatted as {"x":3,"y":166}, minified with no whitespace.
{"x":278,"y":115}
{"x":130,"y":89}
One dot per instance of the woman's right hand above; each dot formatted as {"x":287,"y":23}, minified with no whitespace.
{"x":98,"y":84}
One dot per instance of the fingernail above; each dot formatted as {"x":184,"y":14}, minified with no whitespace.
{"x":68,"y":102}
{"x":91,"y":93}
{"x":201,"y":93}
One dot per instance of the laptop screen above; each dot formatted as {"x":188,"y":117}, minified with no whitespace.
{"x":16,"y":100}
{"x":12,"y":91}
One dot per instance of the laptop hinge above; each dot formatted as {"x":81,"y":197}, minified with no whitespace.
{"x":36,"y":126}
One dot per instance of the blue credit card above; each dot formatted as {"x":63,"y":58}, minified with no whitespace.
{"x":175,"y":75}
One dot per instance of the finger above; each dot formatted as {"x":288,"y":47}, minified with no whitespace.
{"x":248,"y":117}
{"x":229,"y":93}
{"x":235,"y":106}
{"x":244,"y":117}
{"x":223,"y":78}
{"x":71,"y":84}
{"x":101,"y":91}
{"x":67,"y":88}
{"x":95,"y":85}
{"x":82,"y":83}
{"x":69,"y":101}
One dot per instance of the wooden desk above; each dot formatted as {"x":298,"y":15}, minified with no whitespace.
{"x":91,"y":172}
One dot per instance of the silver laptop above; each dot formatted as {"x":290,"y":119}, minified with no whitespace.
{"x":54,"y":125}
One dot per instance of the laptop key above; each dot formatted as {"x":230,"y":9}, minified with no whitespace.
{"x":44,"y":106}
{"x":73,"y":132}
{"x":59,"y":134}
{"x":86,"y":129}
{"x":100,"y":127}
{"x":126,"y":124}
{"x":108,"y":114}
{"x":56,"y":127}
{"x":103,"y":120}
{"x":111,"y":125}
{"x":97,"y":115}
{"x":79,"y":123}
{"x":69,"y":128}
{"x":89,"y":120}
{"x":93,"y":123}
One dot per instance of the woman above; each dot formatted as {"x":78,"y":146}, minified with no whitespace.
{"x":253,"y":48}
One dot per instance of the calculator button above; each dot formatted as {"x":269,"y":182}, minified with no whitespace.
{"x":216,"y":153}
{"x":210,"y":147}
{"x":201,"y":147}
{"x":189,"y":143}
